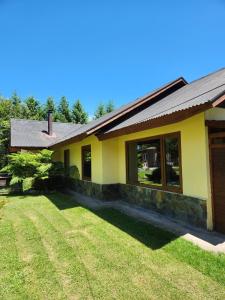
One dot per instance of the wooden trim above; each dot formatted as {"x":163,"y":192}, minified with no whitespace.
{"x":137,"y":104}
{"x":84,"y":148}
{"x":215,"y":123}
{"x":217,"y":146}
{"x":218,"y":101}
{"x":121,"y":113}
{"x":77,"y":138}
{"x":213,"y":146}
{"x":163,"y":186}
{"x":216,"y":135}
{"x":157,"y":122}
{"x":16,"y":149}
{"x":211,"y":180}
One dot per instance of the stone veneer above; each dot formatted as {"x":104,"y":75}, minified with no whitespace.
{"x":183,"y":208}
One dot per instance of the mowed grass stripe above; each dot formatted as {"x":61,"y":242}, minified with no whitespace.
{"x":40,"y":275}
{"x":176,"y":272}
{"x":65,"y":258}
{"x":11,"y":268}
{"x":98,"y":265}
{"x":114,"y":256}
{"x":97,"y":280}
{"x":170,"y":273}
{"x":99,"y":260}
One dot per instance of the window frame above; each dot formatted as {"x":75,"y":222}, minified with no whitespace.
{"x":164,"y":186}
{"x":83,"y":149}
{"x":66,"y":159}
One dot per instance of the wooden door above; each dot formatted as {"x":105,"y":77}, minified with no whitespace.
{"x":218,"y":181}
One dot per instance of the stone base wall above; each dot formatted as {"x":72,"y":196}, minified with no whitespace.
{"x":185,"y":209}
{"x":105,"y":192}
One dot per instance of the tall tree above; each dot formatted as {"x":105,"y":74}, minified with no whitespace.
{"x":16,"y":111}
{"x":5,"y":109}
{"x":100,"y":111}
{"x":109,"y":106}
{"x":78,"y":114}
{"x":5,"y":115}
{"x":64,"y":114}
{"x":49,"y":105}
{"x":32,"y":109}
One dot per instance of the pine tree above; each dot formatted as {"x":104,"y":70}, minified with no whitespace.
{"x":32,"y":109}
{"x":79,"y":116}
{"x":49,"y":105}
{"x":109,"y":106}
{"x":64,"y":114}
{"x":100,"y":111}
{"x":16,"y":111}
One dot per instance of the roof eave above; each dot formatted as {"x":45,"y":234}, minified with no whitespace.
{"x":120,"y":114}
{"x":157,"y":122}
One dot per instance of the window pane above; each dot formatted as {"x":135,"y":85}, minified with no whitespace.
{"x":172,"y":161}
{"x":86,"y":153}
{"x":149,"y":162}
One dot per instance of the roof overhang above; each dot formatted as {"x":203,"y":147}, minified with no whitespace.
{"x":178,"y":83}
{"x":18,"y":148}
{"x":218,"y":101}
{"x":157,"y":122}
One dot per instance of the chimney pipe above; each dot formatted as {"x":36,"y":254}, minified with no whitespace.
{"x":50,"y":122}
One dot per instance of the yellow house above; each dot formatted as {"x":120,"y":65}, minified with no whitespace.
{"x":164,"y":151}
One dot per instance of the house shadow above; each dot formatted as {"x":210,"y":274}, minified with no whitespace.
{"x":149,"y":235}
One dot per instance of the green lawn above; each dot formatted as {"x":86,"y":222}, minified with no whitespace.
{"x":52,"y":248}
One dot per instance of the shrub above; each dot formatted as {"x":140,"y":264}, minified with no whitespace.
{"x":27,"y":168}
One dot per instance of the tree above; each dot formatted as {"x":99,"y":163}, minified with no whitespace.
{"x":4,"y":141}
{"x":16,"y":111}
{"x":5,"y":109}
{"x":64,"y":114}
{"x":32,"y":109}
{"x":27,"y":167}
{"x":100,"y":111}
{"x":79,"y":116}
{"x":109,"y":107}
{"x":49,"y":105}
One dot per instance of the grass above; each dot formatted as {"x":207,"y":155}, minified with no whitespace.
{"x":52,"y":248}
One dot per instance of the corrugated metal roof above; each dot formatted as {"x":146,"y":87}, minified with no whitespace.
{"x":196,"y":93}
{"x":95,"y":123}
{"x":30,"y":133}
{"x":27,"y":133}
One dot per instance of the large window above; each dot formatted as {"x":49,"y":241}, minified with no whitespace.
{"x":86,"y":162}
{"x":155,"y":162}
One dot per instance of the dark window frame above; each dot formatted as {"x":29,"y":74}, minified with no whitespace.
{"x":66,"y":161}
{"x":164,"y":186}
{"x":83,"y":149}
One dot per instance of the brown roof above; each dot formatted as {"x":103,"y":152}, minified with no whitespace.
{"x":120,"y":113}
{"x":191,"y":98}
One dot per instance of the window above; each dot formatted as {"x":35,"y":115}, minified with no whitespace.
{"x":67,"y":162}
{"x":172,"y":160}
{"x":155,"y":162}
{"x":86,"y":162}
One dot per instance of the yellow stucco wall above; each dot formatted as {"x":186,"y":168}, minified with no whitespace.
{"x":109,"y":159}
{"x":193,"y":148}
{"x":75,"y":156}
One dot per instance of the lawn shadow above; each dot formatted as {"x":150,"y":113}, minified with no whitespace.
{"x":147,"y":234}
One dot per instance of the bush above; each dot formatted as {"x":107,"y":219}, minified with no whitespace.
{"x":31,"y":169}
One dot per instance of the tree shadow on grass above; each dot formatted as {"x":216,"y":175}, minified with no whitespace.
{"x":150,"y":236}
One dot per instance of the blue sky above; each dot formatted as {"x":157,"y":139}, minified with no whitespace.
{"x":102,"y":50}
